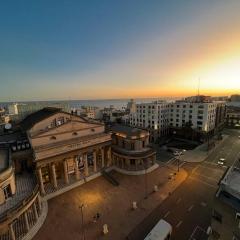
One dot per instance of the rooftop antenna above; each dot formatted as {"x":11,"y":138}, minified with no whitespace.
{"x":198,"y":90}
{"x":198,"y":86}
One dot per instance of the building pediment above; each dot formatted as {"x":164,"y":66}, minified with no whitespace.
{"x":70,"y":126}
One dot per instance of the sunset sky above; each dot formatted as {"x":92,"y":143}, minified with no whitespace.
{"x":103,"y":49}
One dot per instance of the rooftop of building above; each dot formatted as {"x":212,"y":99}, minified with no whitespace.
{"x":230,"y":190}
{"x":128,"y":132}
{"x":38,"y":116}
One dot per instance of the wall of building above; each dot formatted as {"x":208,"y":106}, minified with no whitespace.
{"x":159,"y":116}
{"x":7,"y":178}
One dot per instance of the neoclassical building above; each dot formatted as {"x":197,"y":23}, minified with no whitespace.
{"x":67,"y":149}
{"x":61,"y":151}
{"x":130,"y":149}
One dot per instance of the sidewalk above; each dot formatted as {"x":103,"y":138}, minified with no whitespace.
{"x":200,"y":153}
{"x":113,"y":203}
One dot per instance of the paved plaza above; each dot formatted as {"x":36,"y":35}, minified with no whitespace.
{"x":113,"y":203}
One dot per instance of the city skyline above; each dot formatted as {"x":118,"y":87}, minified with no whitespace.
{"x":109,"y":50}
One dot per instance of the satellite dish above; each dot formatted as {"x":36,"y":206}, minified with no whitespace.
{"x":8,"y":126}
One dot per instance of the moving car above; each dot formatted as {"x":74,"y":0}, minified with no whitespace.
{"x":221,"y":161}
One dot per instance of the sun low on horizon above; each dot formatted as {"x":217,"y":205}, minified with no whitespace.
{"x":119,"y":49}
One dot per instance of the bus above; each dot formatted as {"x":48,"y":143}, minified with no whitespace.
{"x":161,"y":231}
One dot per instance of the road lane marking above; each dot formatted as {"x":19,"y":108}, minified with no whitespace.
{"x":208,"y":184}
{"x":166,"y":214}
{"x":204,"y":176}
{"x":190,"y":208}
{"x":179,"y":224}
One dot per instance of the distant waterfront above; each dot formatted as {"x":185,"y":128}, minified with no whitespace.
{"x":102,"y":103}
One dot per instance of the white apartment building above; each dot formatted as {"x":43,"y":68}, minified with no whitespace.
{"x":154,"y":116}
{"x":201,"y":116}
{"x":159,"y":116}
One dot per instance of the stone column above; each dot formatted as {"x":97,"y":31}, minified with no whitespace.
{"x":86,"y":172}
{"x":109,"y":162}
{"x":11,"y":231}
{"x":94,"y":161}
{"x":77,"y":173}
{"x":54,"y":176}
{"x":26,"y":221}
{"x":35,"y":211}
{"x":113,"y":160}
{"x":66,"y":179}
{"x":154,"y":159}
{"x":39,"y":202}
{"x":39,"y":171}
{"x":103,"y":157}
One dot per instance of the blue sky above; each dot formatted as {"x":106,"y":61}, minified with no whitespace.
{"x":105,"y":49}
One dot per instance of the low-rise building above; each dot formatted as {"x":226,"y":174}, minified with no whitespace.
{"x":233,"y":116}
{"x":225,"y":222}
{"x":19,"y":111}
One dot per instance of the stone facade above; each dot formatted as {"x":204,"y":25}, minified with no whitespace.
{"x":7,"y":179}
{"x":130,"y":149}
{"x":68,"y":148}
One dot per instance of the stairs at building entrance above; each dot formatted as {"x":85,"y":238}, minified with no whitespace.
{"x":110,"y":178}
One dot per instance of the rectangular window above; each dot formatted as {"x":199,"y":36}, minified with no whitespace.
{"x":132,"y":146}
{"x":7,"y":191}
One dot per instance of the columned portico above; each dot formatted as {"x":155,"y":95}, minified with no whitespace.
{"x":103,"y":157}
{"x":95,"y":161}
{"x":65,"y":169}
{"x":85,"y":160}
{"x":109,"y":157}
{"x":54,"y":176}
{"x":39,"y":171}
{"x":76,"y":169}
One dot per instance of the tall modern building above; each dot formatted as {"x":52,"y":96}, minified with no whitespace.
{"x":153,"y":116}
{"x":202,"y":115}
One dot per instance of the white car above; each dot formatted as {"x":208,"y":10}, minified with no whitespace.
{"x":221,"y":161}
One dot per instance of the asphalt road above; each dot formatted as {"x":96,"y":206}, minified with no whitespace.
{"x":189,"y":208}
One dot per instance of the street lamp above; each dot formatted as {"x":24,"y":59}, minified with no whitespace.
{"x":145,"y":178}
{"x":83,"y":229}
{"x":178,"y":157}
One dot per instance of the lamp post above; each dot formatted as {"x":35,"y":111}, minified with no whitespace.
{"x":83,"y":229}
{"x":178,"y":158}
{"x":145,"y":178}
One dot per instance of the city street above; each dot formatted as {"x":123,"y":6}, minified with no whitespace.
{"x":189,"y":208}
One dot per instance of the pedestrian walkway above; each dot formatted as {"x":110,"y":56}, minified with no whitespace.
{"x":200,"y":153}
